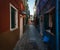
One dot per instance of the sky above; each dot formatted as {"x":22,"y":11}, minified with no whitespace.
{"x":31,"y":5}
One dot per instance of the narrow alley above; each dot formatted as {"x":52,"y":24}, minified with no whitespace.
{"x":29,"y":24}
{"x":31,"y":40}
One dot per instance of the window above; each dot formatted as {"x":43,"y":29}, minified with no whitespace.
{"x":13,"y":18}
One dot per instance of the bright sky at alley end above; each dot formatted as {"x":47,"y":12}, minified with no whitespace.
{"x":31,"y":5}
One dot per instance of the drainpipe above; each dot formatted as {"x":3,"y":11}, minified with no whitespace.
{"x":41,"y":25}
{"x":57,"y":32}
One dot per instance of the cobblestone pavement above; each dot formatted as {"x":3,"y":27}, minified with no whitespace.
{"x":31,"y":40}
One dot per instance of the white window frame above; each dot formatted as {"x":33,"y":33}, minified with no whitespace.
{"x":16,"y":18}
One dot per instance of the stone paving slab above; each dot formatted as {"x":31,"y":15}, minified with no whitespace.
{"x":30,"y":41}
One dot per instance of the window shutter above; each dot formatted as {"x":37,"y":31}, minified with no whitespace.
{"x":46,"y":20}
{"x":12,"y":17}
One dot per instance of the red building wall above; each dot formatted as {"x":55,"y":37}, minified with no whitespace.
{"x":8,"y":38}
{"x":5,"y":14}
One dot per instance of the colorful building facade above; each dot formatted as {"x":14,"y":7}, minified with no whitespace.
{"x":10,"y":11}
{"x":46,"y":13}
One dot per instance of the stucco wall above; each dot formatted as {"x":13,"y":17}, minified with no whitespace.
{"x":8,"y":38}
{"x":5,"y":14}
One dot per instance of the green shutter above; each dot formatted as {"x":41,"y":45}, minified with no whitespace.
{"x":46,"y":21}
{"x":12,"y":17}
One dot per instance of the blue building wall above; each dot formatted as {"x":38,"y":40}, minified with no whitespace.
{"x":40,"y":6}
